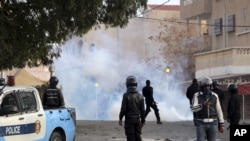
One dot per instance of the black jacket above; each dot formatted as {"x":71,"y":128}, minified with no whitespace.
{"x":233,"y":108}
{"x":191,"y":90}
{"x":132,"y":105}
{"x":212,"y":111}
{"x":220,"y":94}
{"x":53,"y":97}
{"x":147,"y":92}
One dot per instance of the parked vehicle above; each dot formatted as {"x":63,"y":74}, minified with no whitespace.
{"x":23,"y":118}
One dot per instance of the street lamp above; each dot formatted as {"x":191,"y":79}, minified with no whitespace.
{"x":168,"y":70}
{"x":96,"y":110}
{"x":51,"y":70}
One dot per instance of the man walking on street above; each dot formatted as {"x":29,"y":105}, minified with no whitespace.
{"x":133,"y":109}
{"x":209,"y":115}
{"x":191,"y":90}
{"x":147,"y":92}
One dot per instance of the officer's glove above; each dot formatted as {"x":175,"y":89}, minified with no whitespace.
{"x":142,"y":124}
{"x":120,"y":122}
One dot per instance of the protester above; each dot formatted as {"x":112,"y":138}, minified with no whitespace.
{"x":147,"y":92}
{"x":191,"y":90}
{"x":209,"y":115}
{"x":133,"y":109}
{"x":233,"y":108}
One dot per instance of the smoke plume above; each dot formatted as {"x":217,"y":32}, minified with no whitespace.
{"x":93,"y":77}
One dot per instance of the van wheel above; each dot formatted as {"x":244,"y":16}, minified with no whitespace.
{"x":56,"y":137}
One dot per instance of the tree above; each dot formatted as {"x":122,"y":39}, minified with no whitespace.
{"x":179,"y":43}
{"x":32,"y":30}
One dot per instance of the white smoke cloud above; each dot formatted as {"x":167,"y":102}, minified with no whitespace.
{"x":82,"y":66}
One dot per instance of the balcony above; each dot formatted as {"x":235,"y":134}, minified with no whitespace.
{"x":223,"y":62}
{"x":190,"y":9}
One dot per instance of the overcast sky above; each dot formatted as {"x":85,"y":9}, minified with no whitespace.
{"x":172,"y":2}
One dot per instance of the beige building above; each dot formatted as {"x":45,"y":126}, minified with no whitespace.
{"x":227,"y":59}
{"x":227,"y":27}
{"x":135,"y":36}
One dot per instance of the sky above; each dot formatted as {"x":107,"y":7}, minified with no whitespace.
{"x":172,"y":2}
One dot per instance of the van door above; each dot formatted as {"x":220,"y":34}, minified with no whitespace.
{"x":28,"y":122}
{"x":34,"y":114}
{"x":13,"y":122}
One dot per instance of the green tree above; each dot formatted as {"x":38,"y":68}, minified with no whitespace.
{"x":32,"y":30}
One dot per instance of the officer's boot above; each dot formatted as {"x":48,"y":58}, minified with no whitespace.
{"x":158,"y":118}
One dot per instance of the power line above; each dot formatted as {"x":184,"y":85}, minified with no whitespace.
{"x":182,"y":22}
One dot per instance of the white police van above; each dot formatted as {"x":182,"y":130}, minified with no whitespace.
{"x":23,"y":118}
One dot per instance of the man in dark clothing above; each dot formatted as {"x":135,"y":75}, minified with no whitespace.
{"x":191,"y":90}
{"x":233,"y":108}
{"x":147,"y":92}
{"x":219,"y":92}
{"x":133,"y":109}
{"x":53,"y":97}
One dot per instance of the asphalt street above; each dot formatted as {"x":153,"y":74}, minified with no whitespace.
{"x":168,"y":131}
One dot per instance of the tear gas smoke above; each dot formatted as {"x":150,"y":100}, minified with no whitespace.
{"x":90,"y":74}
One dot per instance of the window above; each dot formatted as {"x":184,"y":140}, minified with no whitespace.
{"x":10,"y":104}
{"x":231,"y":23}
{"x":244,"y":13}
{"x":187,"y":2}
{"x":28,"y":101}
{"x":218,"y":26}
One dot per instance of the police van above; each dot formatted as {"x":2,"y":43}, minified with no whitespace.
{"x":23,"y":118}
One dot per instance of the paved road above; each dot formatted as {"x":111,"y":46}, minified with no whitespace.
{"x":168,"y":131}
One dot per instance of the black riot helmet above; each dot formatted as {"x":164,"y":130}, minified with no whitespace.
{"x":2,"y":81}
{"x":215,"y":84}
{"x":232,"y":88}
{"x":131,"y":82}
{"x":53,"y":81}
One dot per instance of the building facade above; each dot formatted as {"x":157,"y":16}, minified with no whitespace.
{"x":228,"y":29}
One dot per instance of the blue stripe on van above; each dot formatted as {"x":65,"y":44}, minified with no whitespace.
{"x":17,"y":129}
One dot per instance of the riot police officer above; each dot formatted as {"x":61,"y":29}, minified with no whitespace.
{"x":53,"y":97}
{"x":219,"y":92}
{"x":133,"y":109}
{"x":233,"y":108}
{"x":191,"y":90}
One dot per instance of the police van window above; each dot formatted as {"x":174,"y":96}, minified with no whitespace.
{"x":28,"y":101}
{"x":9,"y":100}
